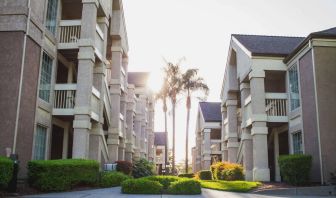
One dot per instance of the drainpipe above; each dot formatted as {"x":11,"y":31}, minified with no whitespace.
{"x":21,"y":79}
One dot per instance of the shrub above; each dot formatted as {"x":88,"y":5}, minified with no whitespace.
{"x":125,"y":167}
{"x":187,"y":175}
{"x":185,"y":187}
{"x":165,"y":181}
{"x":217,"y":168}
{"x":112,"y":179}
{"x":6,"y":171}
{"x":205,"y":175}
{"x":142,"y":168}
{"x":333,"y":178}
{"x":141,"y":186}
{"x":232,"y":172}
{"x":60,"y":175}
{"x":295,"y":169}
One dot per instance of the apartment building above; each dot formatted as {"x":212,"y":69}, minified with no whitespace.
{"x":277,"y":98}
{"x":64,"y":90}
{"x":160,"y":145}
{"x":208,"y":136}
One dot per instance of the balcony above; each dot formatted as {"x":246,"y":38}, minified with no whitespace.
{"x":70,"y":34}
{"x":215,"y":146}
{"x":65,"y":98}
{"x":276,"y":107}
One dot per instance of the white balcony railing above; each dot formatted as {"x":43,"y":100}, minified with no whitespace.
{"x":70,"y":31}
{"x":64,"y":98}
{"x":99,"y":43}
{"x":276,"y":107}
{"x":95,"y":104}
{"x":215,"y":146}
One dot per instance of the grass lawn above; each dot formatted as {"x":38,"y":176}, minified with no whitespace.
{"x":234,"y":186}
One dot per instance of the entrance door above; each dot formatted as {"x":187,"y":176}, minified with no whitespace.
{"x":56,"y":142}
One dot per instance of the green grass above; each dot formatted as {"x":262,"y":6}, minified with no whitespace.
{"x":234,"y":186}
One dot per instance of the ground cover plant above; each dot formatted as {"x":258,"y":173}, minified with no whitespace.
{"x":234,"y":186}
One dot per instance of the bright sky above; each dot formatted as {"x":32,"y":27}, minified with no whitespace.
{"x":200,"y":30}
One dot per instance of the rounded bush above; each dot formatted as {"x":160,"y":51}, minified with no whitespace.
{"x":227,"y":171}
{"x":141,"y":186}
{"x":205,"y":175}
{"x":295,"y":169}
{"x":185,"y":187}
{"x":165,"y":181}
{"x":112,"y":179}
{"x":142,"y":168}
{"x":6,"y":171}
{"x":125,"y":167}
{"x":187,"y":175}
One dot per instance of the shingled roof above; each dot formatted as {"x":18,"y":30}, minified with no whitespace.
{"x":159,"y":138}
{"x":211,"y":111}
{"x":138,"y":79}
{"x":279,"y":46}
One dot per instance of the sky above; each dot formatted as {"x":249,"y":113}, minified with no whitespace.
{"x":199,"y":31}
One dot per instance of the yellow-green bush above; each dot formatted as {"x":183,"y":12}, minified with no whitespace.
{"x":112,"y":179}
{"x":141,"y":186}
{"x":227,"y":171}
{"x":185,"y":187}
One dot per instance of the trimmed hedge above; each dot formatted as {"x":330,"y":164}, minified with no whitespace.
{"x":295,"y":169}
{"x":165,"y":181}
{"x":141,"y":186}
{"x":6,"y":171}
{"x":112,"y":179}
{"x":205,"y":175}
{"x":187,"y":175}
{"x":185,"y":187}
{"x":227,"y":171}
{"x":60,"y":175}
{"x":125,"y":167}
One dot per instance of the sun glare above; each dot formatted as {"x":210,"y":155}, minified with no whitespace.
{"x":155,"y":81}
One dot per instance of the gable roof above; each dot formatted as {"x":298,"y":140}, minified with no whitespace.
{"x":258,"y":45}
{"x":139,"y":79}
{"x":328,"y":34}
{"x":159,"y":138}
{"x":211,"y":111}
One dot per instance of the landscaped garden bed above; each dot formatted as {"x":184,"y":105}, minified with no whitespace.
{"x":234,"y":186}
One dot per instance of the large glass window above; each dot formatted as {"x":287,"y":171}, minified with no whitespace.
{"x":51,"y":19}
{"x":297,"y":142}
{"x":45,"y":78}
{"x":294,"y":87}
{"x":40,"y":143}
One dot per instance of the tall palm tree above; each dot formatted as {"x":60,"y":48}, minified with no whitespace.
{"x":191,"y":82}
{"x":163,"y":95}
{"x":174,"y":82}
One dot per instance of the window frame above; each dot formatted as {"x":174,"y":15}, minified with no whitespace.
{"x":50,"y":16}
{"x":43,"y":81}
{"x":291,"y":107}
{"x":36,"y":153}
{"x":296,"y":150}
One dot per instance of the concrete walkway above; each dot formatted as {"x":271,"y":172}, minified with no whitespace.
{"x":115,"y":193}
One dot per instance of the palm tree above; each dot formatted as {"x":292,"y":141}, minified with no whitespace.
{"x":174,"y":82}
{"x":162,"y":95}
{"x":191,"y":82}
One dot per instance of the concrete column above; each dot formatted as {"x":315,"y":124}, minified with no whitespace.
{"x":276,"y":155}
{"x":86,"y":60}
{"x":207,"y":149}
{"x":95,"y":142}
{"x":130,"y":113}
{"x":224,"y":145}
{"x":259,"y":129}
{"x":121,"y":150}
{"x":142,"y":139}
{"x":137,"y":130}
{"x":246,"y":137}
{"x":232,"y":127}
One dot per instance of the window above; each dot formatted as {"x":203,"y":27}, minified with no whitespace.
{"x":294,"y":88}
{"x":297,"y":142}
{"x":45,"y":78}
{"x":40,"y":143}
{"x":51,"y":19}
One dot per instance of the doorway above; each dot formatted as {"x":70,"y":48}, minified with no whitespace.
{"x":57,"y":137}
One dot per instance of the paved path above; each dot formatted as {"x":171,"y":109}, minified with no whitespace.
{"x":115,"y":193}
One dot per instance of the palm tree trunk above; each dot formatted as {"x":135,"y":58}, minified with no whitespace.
{"x":173,"y":161}
{"x":187,"y":132}
{"x":166,"y":145}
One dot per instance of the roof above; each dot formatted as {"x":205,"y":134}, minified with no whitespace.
{"x":328,"y":34}
{"x":211,"y":111}
{"x":139,"y":79}
{"x":159,"y":138}
{"x":259,"y":45}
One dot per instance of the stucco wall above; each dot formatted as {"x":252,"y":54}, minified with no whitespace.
{"x":309,"y":119}
{"x":325,"y":71}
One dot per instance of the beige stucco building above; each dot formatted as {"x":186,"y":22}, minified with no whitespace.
{"x":160,"y":145}
{"x":277,"y":97}
{"x":65,"y":90}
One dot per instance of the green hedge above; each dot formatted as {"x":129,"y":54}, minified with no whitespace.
{"x":295,"y":169}
{"x":112,"y":179}
{"x":60,"y":175}
{"x":187,"y":175}
{"x":165,"y":181}
{"x":6,"y":171}
{"x":205,"y":175}
{"x":185,"y":187}
{"x":142,"y":168}
{"x":141,"y":186}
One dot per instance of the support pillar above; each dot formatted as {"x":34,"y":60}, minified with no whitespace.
{"x":207,"y":149}
{"x":137,"y":131}
{"x":130,"y":113}
{"x":223,"y":139}
{"x":259,"y":129}
{"x":232,"y":127}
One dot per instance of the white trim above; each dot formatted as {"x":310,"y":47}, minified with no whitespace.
{"x":317,"y":116}
{"x":242,"y":47}
{"x":95,"y":92}
{"x":269,"y":95}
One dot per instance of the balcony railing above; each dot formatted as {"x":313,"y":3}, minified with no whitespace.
{"x":215,"y":146}
{"x":276,"y":106}
{"x":64,"y":98}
